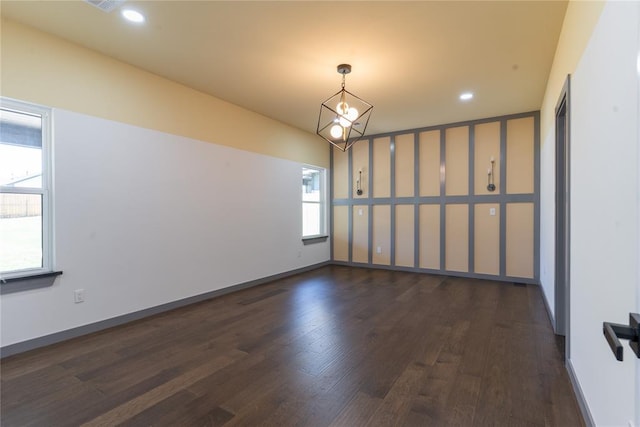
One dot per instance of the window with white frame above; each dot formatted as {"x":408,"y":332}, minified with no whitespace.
{"x":313,"y":202}
{"x":25,"y":196}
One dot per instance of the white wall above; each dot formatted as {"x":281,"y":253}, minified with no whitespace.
{"x":579,"y":21}
{"x":144,"y":218}
{"x":604,"y":211}
{"x":547,"y":221}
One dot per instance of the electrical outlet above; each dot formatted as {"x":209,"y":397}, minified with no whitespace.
{"x":492,"y":211}
{"x":78,"y":296}
{"x":379,"y":250}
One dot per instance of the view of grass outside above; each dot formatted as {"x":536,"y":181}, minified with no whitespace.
{"x":21,"y":189}
{"x":20,"y":243}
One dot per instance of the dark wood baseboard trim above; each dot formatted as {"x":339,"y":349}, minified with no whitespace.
{"x":79,"y":331}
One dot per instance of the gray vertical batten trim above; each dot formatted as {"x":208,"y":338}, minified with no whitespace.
{"x":503,"y":191}
{"x":370,"y":207}
{"x":331,"y":197}
{"x":536,"y":193}
{"x":443,"y":210}
{"x":350,"y":196}
{"x":471,"y":238}
{"x":416,"y":206}
{"x":500,"y":197}
{"x":392,"y":207}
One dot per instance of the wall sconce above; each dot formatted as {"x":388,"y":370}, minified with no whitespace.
{"x":359,"y":183}
{"x":343,"y":117}
{"x":491,"y":186}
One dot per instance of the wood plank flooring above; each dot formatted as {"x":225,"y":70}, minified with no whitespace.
{"x":337,"y":346}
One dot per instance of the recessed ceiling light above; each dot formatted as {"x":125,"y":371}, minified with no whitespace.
{"x":466,"y":96}
{"x":133,"y":16}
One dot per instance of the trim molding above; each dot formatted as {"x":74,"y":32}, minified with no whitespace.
{"x":449,"y":273}
{"x":579,"y":395}
{"x":501,"y":198}
{"x":26,"y":283}
{"x":548,"y":308}
{"x":79,"y":331}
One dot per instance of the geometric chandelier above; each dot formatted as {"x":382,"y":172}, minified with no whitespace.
{"x":343,"y":117}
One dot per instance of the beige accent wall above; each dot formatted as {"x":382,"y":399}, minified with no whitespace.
{"x":340,"y":236}
{"x":382,"y":167}
{"x":430,"y":236}
{"x":457,"y":238}
{"x":487,"y":145}
{"x":405,"y":236}
{"x":360,"y":246}
{"x":382,"y":234}
{"x":457,"y":161}
{"x":487,"y":238}
{"x":429,"y":163}
{"x":520,"y":156}
{"x":519,"y":242}
{"x":43,"y":69}
{"x":444,"y":219}
{"x":404,"y":153}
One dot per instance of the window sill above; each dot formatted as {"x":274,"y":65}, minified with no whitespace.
{"x":27,"y":282}
{"x":314,"y":239}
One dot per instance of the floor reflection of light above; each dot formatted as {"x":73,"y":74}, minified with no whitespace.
{"x":317,"y":331}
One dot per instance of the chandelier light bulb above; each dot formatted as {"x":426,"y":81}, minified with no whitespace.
{"x":344,"y":122}
{"x":342,"y":108}
{"x":352,"y":114}
{"x":336,"y":131}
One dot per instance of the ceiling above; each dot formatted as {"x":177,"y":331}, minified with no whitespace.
{"x":411,"y":60}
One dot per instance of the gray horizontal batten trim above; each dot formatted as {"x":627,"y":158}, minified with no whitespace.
{"x":480,"y":276}
{"x":489,"y":198}
{"x":442,"y":200}
{"x":455,"y":124}
{"x":57,"y":337}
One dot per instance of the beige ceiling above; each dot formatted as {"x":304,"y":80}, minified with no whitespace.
{"x":411,"y":60}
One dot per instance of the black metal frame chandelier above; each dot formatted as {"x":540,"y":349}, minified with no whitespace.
{"x":343,"y":117}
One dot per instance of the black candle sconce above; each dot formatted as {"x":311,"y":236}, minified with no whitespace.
{"x":359,"y":183}
{"x":491,"y":186}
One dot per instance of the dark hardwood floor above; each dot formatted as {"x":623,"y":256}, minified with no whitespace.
{"x":336,"y":346}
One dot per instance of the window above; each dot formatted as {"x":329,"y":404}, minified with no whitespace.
{"x":25,"y":198}
{"x":313,"y":202}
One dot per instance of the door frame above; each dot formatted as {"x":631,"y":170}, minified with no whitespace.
{"x":562,"y":214}
{"x":637,"y":421}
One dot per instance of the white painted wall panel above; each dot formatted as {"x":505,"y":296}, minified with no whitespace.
{"x":143,"y":218}
{"x":604,"y":211}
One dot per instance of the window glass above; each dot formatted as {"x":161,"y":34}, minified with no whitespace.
{"x":20,"y":149}
{"x":24,"y":196}
{"x":313,"y":201}
{"x":20,"y":232}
